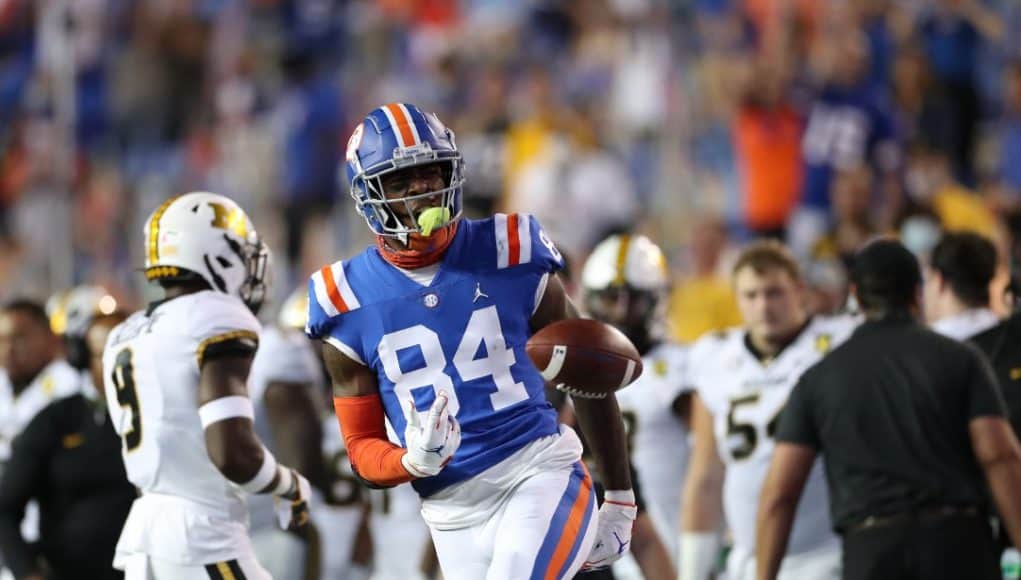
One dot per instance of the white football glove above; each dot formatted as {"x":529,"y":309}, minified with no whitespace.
{"x":613,"y":534}
{"x":292,"y":505}
{"x":430,"y":446}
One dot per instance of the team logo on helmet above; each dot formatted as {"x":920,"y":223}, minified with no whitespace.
{"x":354,"y":143}
{"x":208,"y":236}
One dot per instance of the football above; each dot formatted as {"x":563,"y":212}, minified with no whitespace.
{"x":584,"y":358}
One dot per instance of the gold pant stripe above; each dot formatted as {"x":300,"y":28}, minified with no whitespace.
{"x":214,"y":571}
{"x":225,"y":571}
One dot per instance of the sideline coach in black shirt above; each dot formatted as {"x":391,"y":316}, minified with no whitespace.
{"x":69,"y":459}
{"x":908,"y":423}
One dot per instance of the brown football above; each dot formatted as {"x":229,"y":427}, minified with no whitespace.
{"x":585,"y":358}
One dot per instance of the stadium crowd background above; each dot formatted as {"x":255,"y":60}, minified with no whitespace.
{"x":702,"y":123}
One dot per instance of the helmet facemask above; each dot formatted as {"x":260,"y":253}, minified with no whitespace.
{"x":254,"y":254}
{"x":388,"y":216}
{"x":635,"y":312}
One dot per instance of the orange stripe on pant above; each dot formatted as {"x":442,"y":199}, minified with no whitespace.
{"x":572,"y":529}
{"x":332,"y":291}
{"x":403,"y":124}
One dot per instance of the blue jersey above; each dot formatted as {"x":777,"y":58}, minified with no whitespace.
{"x":464,"y":333}
{"x":846,"y":127}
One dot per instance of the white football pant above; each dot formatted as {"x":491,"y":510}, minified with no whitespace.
{"x":545,"y":527}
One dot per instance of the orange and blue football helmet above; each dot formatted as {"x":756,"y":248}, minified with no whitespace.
{"x":392,"y":138}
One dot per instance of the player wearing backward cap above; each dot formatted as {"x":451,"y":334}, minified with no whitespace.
{"x":427,"y":329}
{"x":624,"y":282}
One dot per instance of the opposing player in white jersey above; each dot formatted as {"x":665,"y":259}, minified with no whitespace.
{"x":288,"y":389}
{"x":743,"y":377}
{"x":175,"y":379}
{"x":624,"y":282}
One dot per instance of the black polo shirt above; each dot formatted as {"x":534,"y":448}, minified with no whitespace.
{"x":69,"y":459}
{"x":1002,"y":344}
{"x":889,"y":411}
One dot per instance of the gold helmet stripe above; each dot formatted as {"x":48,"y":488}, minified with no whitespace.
{"x":58,"y":318}
{"x":622,"y":250}
{"x":154,"y":231}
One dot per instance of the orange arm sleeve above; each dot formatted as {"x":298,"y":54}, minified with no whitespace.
{"x":372,"y":455}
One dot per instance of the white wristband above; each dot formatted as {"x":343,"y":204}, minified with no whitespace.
{"x":263,"y":477}
{"x":286,"y":481}
{"x":698,"y":555}
{"x":226,"y":408}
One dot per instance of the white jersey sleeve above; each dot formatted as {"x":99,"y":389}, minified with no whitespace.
{"x":218,"y":318}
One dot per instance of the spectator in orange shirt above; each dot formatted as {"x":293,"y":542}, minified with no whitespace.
{"x":767,"y":138}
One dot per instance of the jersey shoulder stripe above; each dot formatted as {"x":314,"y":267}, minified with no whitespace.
{"x":513,"y":239}
{"x":333,"y":293}
{"x":242,"y":335}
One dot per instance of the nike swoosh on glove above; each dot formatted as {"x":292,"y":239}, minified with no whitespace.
{"x":613,"y":534}
{"x":431,"y":445}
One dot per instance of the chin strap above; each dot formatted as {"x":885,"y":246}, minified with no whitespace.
{"x":422,"y":251}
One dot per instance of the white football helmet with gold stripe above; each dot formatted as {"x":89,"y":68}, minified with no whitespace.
{"x":71,"y":313}
{"x":207,"y":235}
{"x":624,"y":281}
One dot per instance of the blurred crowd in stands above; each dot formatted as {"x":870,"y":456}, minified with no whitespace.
{"x":702,"y":123}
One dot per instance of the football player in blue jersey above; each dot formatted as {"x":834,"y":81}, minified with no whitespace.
{"x":426,"y":332}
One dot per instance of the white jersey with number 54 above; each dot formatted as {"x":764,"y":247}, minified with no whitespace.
{"x":745,"y":396}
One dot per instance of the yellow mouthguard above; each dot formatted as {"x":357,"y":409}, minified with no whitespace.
{"x":433,"y":218}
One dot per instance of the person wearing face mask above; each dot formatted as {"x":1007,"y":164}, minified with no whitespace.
{"x":930,"y":185}
{"x":68,"y":460}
